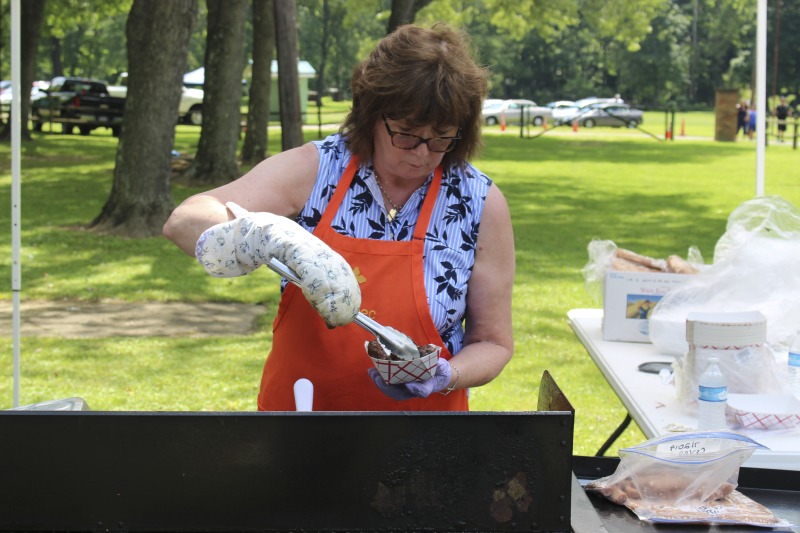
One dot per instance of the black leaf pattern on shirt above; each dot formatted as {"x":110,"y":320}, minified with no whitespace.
{"x":361,"y":203}
{"x":405,"y":229}
{"x":312,"y":220}
{"x":378,"y":227}
{"x":327,"y":191}
{"x":330,"y":146}
{"x":459,"y":210}
{"x":447,"y":338}
{"x":447,"y":281}
{"x":441,"y":242}
{"x":468,"y":241}
{"x":343,"y":228}
{"x":358,"y":182}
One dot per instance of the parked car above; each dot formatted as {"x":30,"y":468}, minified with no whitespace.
{"x":614,"y":115}
{"x":567,"y":115}
{"x":560,"y":104}
{"x":78,"y":102}
{"x":190,"y":108}
{"x":6,"y":94}
{"x":598,"y":100}
{"x":560,"y":108}
{"x":513,"y":111}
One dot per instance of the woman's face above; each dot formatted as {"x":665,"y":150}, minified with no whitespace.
{"x":415,"y":163}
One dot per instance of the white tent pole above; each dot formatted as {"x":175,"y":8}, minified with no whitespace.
{"x":16,"y":132}
{"x":761,"y":94}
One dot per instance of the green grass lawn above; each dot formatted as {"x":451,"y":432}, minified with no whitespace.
{"x":564,"y":189}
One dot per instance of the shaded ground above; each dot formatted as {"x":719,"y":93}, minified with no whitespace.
{"x":130,"y":319}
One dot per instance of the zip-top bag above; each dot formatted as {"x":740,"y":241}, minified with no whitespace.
{"x":686,"y":477}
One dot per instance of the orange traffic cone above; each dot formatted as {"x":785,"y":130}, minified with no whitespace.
{"x":503,"y":121}
{"x":668,"y":134}
{"x":544,"y":123}
{"x":683,"y":127}
{"x":574,"y":125}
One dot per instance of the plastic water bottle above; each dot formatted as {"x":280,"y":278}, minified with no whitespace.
{"x":713,"y":397}
{"x":794,"y":367}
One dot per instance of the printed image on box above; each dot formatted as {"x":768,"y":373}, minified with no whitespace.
{"x":640,"y":306}
{"x":628,"y":301}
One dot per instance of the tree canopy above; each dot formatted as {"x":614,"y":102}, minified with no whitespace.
{"x":653,"y":52}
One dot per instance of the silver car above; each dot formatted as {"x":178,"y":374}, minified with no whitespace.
{"x":513,"y":110}
{"x":613,"y":115}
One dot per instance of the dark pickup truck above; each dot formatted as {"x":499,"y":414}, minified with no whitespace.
{"x":78,"y":102}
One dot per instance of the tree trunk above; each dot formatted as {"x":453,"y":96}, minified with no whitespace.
{"x":31,"y":18}
{"x":403,"y":12}
{"x":254,"y":149}
{"x":158,"y":39}
{"x":288,"y":78}
{"x":4,"y":15}
{"x":324,"y":46}
{"x":55,"y":56}
{"x":215,"y":163}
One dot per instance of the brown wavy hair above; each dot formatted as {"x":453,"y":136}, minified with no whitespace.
{"x":423,"y":76}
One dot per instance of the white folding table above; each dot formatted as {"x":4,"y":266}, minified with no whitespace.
{"x":653,"y":404}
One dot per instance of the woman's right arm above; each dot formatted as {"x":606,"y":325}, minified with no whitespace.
{"x":280,"y":184}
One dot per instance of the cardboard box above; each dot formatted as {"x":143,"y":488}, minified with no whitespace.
{"x":628,"y":300}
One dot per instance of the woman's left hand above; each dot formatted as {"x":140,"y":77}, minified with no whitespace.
{"x":415,"y":389}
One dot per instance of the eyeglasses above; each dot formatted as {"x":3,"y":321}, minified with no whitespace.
{"x":406,"y":141}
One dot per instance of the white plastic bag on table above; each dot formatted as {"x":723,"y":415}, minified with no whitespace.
{"x":738,"y":341}
{"x":765,"y":215}
{"x":594,"y":272}
{"x":755,"y":269}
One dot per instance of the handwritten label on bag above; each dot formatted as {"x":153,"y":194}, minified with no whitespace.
{"x":676,"y":448}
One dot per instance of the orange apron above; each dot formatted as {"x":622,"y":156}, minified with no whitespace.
{"x":334,"y":360}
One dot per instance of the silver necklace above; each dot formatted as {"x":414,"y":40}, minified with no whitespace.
{"x":395,"y":208}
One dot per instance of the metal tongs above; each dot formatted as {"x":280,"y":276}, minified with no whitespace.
{"x":396,"y":342}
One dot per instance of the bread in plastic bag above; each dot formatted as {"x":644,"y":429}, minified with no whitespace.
{"x":754,"y":269}
{"x":605,"y":255}
{"x":681,"y":477}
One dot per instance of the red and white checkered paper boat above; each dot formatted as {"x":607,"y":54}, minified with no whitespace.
{"x":765,"y":411}
{"x":396,"y":372}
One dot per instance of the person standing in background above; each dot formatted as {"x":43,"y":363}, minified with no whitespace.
{"x":742,"y":123}
{"x":782,"y":112}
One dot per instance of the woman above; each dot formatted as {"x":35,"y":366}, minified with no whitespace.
{"x":752,"y":120}
{"x":742,"y":122}
{"x":428,"y":236}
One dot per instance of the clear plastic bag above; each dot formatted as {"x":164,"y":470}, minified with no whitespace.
{"x":686,"y":468}
{"x":749,"y":370}
{"x":604,"y":256}
{"x":754,"y":269}
{"x":686,"y":477}
{"x":769,"y":216}
{"x":600,"y":255}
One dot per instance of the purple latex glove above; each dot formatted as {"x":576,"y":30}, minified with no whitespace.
{"x":415,"y":389}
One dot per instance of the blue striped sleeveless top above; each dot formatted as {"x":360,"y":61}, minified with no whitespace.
{"x":450,"y":241}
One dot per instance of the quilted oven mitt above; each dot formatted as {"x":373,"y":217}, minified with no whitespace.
{"x":239,"y":246}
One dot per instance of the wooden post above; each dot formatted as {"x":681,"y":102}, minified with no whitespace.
{"x":725,"y":112}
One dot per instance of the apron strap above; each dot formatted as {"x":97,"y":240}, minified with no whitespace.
{"x":427,"y":206}
{"x":425,"y":213}
{"x":338,"y":194}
